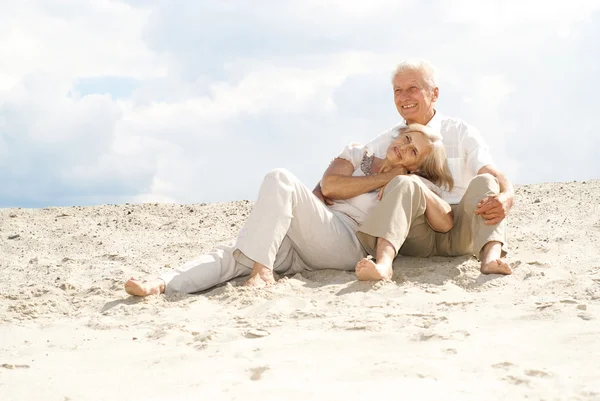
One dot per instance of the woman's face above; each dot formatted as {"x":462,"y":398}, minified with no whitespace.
{"x":408,"y":150}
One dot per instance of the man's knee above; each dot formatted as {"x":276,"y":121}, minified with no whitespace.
{"x":484,"y":183}
{"x":481,"y":186}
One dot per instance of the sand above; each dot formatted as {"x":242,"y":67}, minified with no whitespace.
{"x":438,"y":331}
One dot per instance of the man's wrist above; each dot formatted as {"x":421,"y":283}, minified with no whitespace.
{"x":508,"y":198}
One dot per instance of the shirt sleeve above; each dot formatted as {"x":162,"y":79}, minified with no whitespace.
{"x":476,"y":150}
{"x":354,"y":153}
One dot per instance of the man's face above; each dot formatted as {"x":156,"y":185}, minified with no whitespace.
{"x":414,"y":99}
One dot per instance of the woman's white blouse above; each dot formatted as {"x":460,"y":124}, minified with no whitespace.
{"x":359,"y":206}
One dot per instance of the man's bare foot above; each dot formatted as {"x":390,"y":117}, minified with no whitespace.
{"x":368,"y":270}
{"x":261,"y":276}
{"x":496,"y":267}
{"x":144,"y":288}
{"x":490,"y":259}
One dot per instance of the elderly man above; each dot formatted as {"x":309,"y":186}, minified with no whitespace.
{"x":415,"y":218}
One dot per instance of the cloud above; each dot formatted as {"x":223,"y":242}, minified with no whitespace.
{"x":68,"y":38}
{"x":58,"y":149}
{"x":187,"y":101}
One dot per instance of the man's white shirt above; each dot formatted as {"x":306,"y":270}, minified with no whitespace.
{"x":465,"y":148}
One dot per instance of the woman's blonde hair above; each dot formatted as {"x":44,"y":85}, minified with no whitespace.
{"x":434,"y":166}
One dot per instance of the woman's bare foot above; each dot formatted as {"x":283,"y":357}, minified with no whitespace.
{"x":260,"y":276}
{"x":490,"y":259}
{"x":144,"y":288}
{"x":496,"y":267}
{"x":367,"y":270}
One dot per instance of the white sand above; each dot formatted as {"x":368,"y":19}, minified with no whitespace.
{"x":439,"y":331}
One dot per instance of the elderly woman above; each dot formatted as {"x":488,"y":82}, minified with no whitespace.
{"x":291,"y":230}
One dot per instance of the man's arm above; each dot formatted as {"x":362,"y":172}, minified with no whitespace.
{"x":495,"y":208}
{"x":338,"y":182}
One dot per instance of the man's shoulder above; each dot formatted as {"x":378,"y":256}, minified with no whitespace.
{"x":456,"y":125}
{"x":378,"y":144}
{"x":389,"y":133}
{"x":394,"y":129}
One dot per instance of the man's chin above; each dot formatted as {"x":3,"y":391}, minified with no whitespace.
{"x":410,"y":114}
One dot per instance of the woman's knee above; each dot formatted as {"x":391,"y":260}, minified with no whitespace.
{"x":402,"y":184}
{"x":279,"y":176}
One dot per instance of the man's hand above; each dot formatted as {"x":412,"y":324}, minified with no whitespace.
{"x":317,"y":192}
{"x":494,"y":208}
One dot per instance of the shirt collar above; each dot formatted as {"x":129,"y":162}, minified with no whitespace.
{"x":435,"y":123}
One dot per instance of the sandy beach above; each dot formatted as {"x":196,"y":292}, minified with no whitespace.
{"x":439,"y":331}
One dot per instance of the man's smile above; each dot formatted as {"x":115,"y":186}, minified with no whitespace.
{"x":409,"y":106}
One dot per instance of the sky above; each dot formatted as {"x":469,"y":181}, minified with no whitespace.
{"x":188,"y":101}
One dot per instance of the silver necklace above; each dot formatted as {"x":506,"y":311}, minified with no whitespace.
{"x":367,"y":164}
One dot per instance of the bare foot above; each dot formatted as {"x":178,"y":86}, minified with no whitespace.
{"x":368,"y":270}
{"x":144,"y":288}
{"x":496,"y":267}
{"x":261,"y":276}
{"x":490,"y":259}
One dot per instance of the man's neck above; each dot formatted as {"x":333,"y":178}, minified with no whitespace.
{"x":424,"y":121}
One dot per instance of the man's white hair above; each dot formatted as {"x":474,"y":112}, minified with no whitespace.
{"x":424,"y":67}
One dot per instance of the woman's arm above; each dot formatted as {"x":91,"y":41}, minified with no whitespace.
{"x":338,"y":182}
{"x":438,"y":212}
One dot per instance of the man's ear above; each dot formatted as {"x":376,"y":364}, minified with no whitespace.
{"x":436,"y":94}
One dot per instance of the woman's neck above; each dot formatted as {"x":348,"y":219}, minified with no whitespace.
{"x":377,"y":164}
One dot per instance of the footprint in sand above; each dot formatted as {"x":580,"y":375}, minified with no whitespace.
{"x":537,"y":373}
{"x":516,"y":380}
{"x":14,"y":366}
{"x":503,"y":365}
{"x":433,"y":335}
{"x":202,"y":339}
{"x":258,"y":372}
{"x":516,"y":377}
{"x":256,"y":333}
{"x":450,"y":351}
